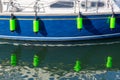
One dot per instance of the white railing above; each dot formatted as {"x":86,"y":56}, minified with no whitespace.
{"x":1,"y":6}
{"x":43,"y":6}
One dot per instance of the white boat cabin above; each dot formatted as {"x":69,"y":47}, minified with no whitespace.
{"x":59,"y":6}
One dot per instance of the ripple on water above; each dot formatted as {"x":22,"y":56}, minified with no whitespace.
{"x":60,"y":44}
{"x":27,"y":73}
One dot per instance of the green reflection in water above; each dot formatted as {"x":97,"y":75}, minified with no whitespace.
{"x":61,"y":60}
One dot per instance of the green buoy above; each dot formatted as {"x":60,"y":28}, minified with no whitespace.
{"x":35,"y":25}
{"x":12,"y":24}
{"x":36,"y":60}
{"x":79,"y":23}
{"x":109,"y":62}
{"x":13,"y":60}
{"x":112,"y":22}
{"x":77,"y":66}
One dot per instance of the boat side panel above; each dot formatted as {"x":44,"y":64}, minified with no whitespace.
{"x":59,"y":26}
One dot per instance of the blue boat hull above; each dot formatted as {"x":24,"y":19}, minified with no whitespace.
{"x":60,"y":28}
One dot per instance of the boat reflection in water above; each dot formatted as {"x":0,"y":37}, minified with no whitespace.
{"x":57,"y":62}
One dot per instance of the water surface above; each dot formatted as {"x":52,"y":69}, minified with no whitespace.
{"x":57,"y":60}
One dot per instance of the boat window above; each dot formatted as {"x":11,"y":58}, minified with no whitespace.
{"x":92,"y":4}
{"x":62,"y":4}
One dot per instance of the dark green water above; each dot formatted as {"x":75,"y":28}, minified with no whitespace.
{"x":57,"y":60}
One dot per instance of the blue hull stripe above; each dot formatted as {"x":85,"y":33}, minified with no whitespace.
{"x":60,"y":28}
{"x":60,"y":38}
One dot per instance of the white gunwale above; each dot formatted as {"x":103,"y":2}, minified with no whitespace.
{"x":61,"y":11}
